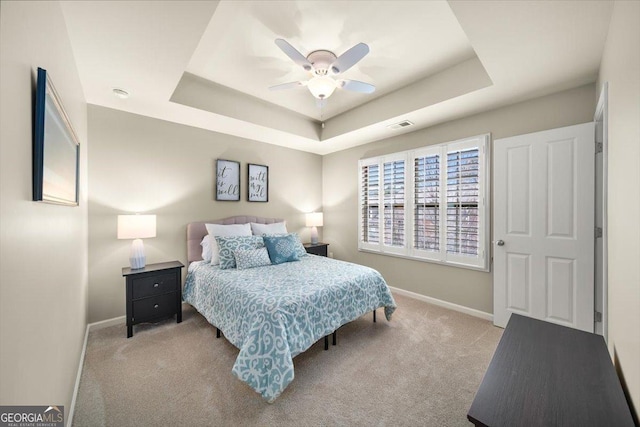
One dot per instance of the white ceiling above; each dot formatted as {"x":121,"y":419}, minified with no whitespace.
{"x":238,"y":51}
{"x":209,"y":64}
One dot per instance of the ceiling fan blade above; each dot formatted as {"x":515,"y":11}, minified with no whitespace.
{"x":293,"y":53}
{"x":290,"y":85}
{"x":349,"y":58}
{"x":357,"y":86}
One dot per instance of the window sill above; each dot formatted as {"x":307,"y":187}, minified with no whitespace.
{"x":430,"y":261}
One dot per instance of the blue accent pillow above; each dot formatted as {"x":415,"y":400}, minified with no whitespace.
{"x":301,"y":251}
{"x":229,"y":244}
{"x":282,"y":248}
{"x":250,"y":258}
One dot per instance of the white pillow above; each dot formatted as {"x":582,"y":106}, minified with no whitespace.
{"x":224,"y":230}
{"x":206,"y":248}
{"x":275,"y":228}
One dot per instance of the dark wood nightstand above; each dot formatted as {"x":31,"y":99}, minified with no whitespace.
{"x":316,"y":248}
{"x":153,"y":292}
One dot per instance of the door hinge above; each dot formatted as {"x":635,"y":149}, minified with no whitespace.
{"x":598,"y":232}
{"x":597,"y":316}
{"x":598,"y":147}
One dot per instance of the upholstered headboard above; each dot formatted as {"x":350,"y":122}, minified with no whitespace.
{"x":197,"y":230}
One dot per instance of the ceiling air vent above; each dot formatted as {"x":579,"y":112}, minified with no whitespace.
{"x":400,"y":125}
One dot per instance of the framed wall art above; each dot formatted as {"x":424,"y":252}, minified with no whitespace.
{"x":258,"y":183}
{"x":56,"y":150}
{"x":227,"y":180}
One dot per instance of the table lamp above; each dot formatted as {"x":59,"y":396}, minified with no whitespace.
{"x":314,"y":220}
{"x":136,"y":227}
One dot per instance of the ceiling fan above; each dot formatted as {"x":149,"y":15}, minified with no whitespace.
{"x":323,"y":65}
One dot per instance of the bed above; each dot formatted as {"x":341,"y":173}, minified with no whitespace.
{"x":273,"y":313}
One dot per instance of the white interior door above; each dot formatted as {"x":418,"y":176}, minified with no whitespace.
{"x":543,"y":226}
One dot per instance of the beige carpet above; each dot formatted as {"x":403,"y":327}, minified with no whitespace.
{"x":421,"y":369}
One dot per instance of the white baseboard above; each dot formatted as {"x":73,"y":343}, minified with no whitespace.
{"x":90,"y":327}
{"x":106,"y":323}
{"x":78,"y":375}
{"x":445,"y":304}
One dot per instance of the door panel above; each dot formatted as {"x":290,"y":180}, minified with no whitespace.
{"x":561,"y":188}
{"x":519,"y":190}
{"x":518,"y":276}
{"x":560,"y":287}
{"x":543,"y":212}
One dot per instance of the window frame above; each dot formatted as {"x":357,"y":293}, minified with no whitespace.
{"x":482,"y":260}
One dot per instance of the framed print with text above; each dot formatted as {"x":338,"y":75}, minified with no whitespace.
{"x":227,"y":180}
{"x":258,"y":183}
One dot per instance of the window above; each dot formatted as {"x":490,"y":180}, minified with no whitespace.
{"x":430,"y":204}
{"x":382,"y":204}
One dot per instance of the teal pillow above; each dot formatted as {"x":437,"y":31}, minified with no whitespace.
{"x":300,"y":250}
{"x":250,"y":258}
{"x":229,"y":244}
{"x":282,"y":248}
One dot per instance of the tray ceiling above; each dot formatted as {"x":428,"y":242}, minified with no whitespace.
{"x":209,"y":64}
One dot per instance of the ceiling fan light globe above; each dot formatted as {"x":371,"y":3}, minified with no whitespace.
{"x":321,"y":87}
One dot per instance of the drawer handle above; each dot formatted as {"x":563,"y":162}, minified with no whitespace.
{"x":155,"y":285}
{"x":156,"y":306}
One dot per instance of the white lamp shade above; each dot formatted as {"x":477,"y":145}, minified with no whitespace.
{"x":314,"y":219}
{"x":321,"y":86}
{"x":136,"y":226}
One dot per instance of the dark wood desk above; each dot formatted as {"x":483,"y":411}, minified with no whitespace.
{"x":548,"y":375}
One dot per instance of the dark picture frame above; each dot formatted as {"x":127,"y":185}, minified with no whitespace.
{"x":227,"y":180}
{"x":56,"y":150}
{"x":257,"y":183}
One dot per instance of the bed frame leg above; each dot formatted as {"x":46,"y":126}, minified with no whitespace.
{"x":217,"y":333}
{"x":326,"y":342}
{"x":334,"y":337}
{"x":374,"y":316}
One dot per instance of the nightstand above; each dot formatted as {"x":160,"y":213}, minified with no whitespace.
{"x":153,"y":292}
{"x":316,"y":248}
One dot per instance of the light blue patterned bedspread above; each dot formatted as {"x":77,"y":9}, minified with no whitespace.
{"x":276,"y":312}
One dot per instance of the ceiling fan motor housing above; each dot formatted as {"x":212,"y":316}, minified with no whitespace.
{"x":321,"y":61}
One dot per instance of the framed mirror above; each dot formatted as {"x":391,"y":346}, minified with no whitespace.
{"x":56,"y":150}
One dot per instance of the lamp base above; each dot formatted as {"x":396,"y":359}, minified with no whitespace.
{"x":137,"y":258}
{"x":314,"y":235}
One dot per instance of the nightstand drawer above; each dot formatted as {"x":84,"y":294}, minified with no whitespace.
{"x":154,"y":285}
{"x":154,"y":307}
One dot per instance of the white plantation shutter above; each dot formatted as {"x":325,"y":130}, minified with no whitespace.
{"x":394,"y":184}
{"x":463,"y":193}
{"x":370,"y":203}
{"x":430,"y":204}
{"x":382,"y":203}
{"x":426,"y":202}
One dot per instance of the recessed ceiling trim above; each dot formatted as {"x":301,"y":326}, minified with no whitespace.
{"x":196,"y":92}
{"x":463,"y":78}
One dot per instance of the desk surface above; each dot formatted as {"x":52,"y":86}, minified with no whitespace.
{"x":544,"y":374}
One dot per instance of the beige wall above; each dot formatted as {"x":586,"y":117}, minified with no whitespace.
{"x":43,"y":247}
{"x":139,"y":164}
{"x":465,"y":287}
{"x":621,"y":68}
